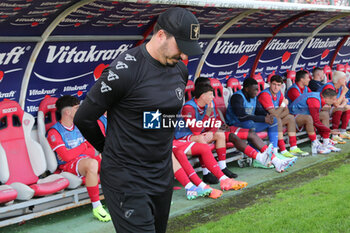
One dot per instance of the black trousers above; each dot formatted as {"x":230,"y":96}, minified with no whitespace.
{"x":138,"y":212}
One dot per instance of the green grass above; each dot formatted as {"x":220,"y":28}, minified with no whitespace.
{"x":322,"y":205}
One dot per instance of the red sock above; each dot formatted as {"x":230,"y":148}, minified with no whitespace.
{"x":336,"y":119}
{"x":94,"y":193}
{"x":186,"y":165}
{"x":264,"y":148}
{"x":201,"y":162}
{"x":273,"y":156}
{"x":207,"y":158}
{"x":345,"y":119}
{"x":182,"y":177}
{"x":250,"y":152}
{"x":221,"y":153}
{"x":312,"y":137}
{"x":292,"y":140}
{"x":281,"y":145}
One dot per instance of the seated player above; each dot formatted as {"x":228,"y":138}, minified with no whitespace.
{"x":274,"y":102}
{"x":312,"y":104}
{"x":316,"y":82}
{"x":202,"y":108}
{"x":74,"y":154}
{"x":302,"y":80}
{"x":204,"y":98}
{"x":341,"y":110}
{"x":245,"y":111}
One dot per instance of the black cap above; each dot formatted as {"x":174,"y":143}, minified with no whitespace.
{"x":184,"y":26}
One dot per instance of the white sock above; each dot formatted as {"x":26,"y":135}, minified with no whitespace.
{"x":189,"y":185}
{"x":95,"y":204}
{"x":202,"y":185}
{"x":293,"y":147}
{"x":205,"y":171}
{"x":326,"y":141}
{"x":259,"y":157}
{"x":222,"y":164}
{"x":275,"y":150}
{"x":223,"y":178}
{"x":342,"y":130}
{"x":283,"y":152}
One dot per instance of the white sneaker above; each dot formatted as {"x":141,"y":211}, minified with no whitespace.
{"x":265,"y":157}
{"x":332,"y":148}
{"x":282,"y":165}
{"x":344,"y":135}
{"x":338,"y":139}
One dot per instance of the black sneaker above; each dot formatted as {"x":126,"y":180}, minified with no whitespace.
{"x":210,"y":179}
{"x":228,"y":173}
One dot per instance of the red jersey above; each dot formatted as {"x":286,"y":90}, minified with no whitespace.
{"x":189,"y":113}
{"x":57,"y":144}
{"x":266,"y":100}
{"x":293,"y":93}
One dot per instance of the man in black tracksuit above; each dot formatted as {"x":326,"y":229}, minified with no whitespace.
{"x":137,"y":88}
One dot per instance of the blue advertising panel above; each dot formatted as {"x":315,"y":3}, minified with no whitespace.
{"x":318,"y":52}
{"x":231,"y":58}
{"x":343,"y":55}
{"x":13,"y":62}
{"x":279,"y":55}
{"x":70,"y":68}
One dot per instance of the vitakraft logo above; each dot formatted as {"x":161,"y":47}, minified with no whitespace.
{"x":68,"y":54}
{"x":229,"y":47}
{"x":10,"y":94}
{"x":13,"y":56}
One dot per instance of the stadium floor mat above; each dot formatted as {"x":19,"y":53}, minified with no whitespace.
{"x":80,"y":220}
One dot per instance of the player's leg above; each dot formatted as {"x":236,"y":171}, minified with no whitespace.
{"x":220,"y":145}
{"x":289,"y":121}
{"x":182,"y":170}
{"x":226,"y":183}
{"x":327,"y":146}
{"x":89,"y":167}
{"x":272,"y":131}
{"x":240,"y":145}
{"x":255,"y":140}
{"x":305,"y":121}
{"x":264,"y":157}
{"x":336,"y":114}
{"x":345,"y":121}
